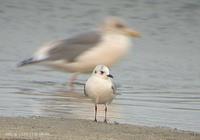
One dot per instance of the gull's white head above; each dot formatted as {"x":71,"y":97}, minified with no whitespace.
{"x":117,"y":26}
{"x":102,"y":71}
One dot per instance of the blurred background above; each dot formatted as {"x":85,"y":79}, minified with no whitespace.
{"x":158,"y":80}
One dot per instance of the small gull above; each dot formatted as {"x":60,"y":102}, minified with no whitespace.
{"x":81,"y":53}
{"x":100,"y":88}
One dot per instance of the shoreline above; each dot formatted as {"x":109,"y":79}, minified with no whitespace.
{"x":48,"y":128}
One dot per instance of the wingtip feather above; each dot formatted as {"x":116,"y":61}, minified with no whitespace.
{"x":26,"y":62}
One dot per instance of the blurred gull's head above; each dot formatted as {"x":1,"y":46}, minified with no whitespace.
{"x":117,"y":26}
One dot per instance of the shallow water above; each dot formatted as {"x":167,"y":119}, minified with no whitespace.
{"x":158,"y":80}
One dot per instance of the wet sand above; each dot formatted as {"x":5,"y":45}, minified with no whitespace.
{"x":47,"y":128}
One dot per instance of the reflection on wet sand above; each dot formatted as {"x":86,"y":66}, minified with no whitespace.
{"x":71,"y":105}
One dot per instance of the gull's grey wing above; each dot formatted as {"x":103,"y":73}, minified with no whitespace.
{"x":67,"y":49}
{"x":114,"y":88}
{"x":85,"y":93}
{"x":70,"y":48}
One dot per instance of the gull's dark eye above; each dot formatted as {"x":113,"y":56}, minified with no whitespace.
{"x":95,"y":71}
{"x":119,"y":25}
{"x":102,"y":72}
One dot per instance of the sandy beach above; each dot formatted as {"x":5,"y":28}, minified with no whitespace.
{"x":72,"y":129}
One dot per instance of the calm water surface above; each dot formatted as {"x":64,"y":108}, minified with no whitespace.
{"x":159,"y":80}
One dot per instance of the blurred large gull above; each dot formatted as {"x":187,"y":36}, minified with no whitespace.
{"x":81,"y":53}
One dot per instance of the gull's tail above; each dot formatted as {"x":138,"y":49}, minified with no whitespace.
{"x":28,"y":62}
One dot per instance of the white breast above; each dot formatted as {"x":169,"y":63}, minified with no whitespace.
{"x":108,"y":51}
{"x":99,"y":90}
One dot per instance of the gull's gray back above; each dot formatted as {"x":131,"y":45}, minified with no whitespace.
{"x":70,"y":48}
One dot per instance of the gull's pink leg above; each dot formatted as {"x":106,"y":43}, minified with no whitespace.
{"x":72,"y":80}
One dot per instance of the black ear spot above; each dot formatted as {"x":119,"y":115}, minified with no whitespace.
{"x":95,"y":71}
